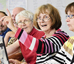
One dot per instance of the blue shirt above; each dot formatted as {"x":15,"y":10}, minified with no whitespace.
{"x":4,"y":33}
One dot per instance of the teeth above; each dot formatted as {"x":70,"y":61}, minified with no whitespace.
{"x":44,"y":25}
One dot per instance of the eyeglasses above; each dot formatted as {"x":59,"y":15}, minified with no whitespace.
{"x":70,"y":16}
{"x":27,"y":21}
{"x":45,"y":19}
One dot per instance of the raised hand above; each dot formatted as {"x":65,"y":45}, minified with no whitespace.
{"x":7,"y":20}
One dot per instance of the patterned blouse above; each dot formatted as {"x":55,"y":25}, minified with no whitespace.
{"x":46,"y":47}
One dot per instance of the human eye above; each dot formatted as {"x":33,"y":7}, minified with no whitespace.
{"x":46,"y":16}
{"x":20,"y":22}
{"x":39,"y":17}
{"x":72,"y":16}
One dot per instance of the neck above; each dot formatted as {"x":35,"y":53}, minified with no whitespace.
{"x":50,"y":33}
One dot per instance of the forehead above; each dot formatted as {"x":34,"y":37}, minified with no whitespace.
{"x":71,"y":9}
{"x":45,"y":12}
{"x":22,"y":17}
{"x":15,"y":12}
{"x":70,"y":12}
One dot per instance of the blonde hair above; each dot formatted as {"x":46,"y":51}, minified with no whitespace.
{"x":26,"y":14}
{"x":52,"y":12}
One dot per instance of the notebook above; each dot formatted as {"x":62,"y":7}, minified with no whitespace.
{"x":3,"y":52}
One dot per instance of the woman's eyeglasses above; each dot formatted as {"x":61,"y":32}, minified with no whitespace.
{"x":70,"y":16}
{"x":45,"y":19}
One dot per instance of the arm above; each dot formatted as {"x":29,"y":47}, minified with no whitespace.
{"x":50,"y":45}
{"x":7,"y":36}
{"x":12,"y":48}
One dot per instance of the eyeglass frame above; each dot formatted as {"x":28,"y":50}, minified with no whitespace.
{"x":70,"y":16}
{"x":22,"y":22}
{"x":42,"y":19}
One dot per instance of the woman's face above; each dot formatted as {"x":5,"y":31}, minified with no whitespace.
{"x":25,"y":24}
{"x":44,"y":22}
{"x":70,"y":20}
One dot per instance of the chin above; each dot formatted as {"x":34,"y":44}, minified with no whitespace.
{"x":44,"y":30}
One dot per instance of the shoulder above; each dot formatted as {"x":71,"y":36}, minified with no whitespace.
{"x":61,"y":33}
{"x":39,"y":32}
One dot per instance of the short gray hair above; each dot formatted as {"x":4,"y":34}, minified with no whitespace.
{"x":26,"y":14}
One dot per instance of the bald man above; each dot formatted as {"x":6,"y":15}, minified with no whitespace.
{"x":15,"y":11}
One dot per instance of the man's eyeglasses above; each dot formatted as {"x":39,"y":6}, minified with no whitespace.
{"x":70,"y":16}
{"x":45,"y":19}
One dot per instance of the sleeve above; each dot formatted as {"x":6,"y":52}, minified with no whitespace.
{"x":50,"y":45}
{"x":65,"y":54}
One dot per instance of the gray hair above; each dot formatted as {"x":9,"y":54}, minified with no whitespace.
{"x":26,"y":14}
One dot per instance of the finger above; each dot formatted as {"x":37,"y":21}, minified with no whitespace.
{"x":11,"y":61}
{"x":9,"y":14}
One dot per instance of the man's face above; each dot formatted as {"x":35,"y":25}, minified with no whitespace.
{"x":2,"y":27}
{"x":14,"y":13}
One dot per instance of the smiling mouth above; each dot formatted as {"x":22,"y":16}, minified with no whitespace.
{"x":43,"y":25}
{"x":24,"y":28}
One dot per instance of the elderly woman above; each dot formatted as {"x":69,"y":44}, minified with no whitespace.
{"x":47,"y":19}
{"x":24,"y":20}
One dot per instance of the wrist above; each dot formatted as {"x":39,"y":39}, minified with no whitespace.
{"x":23,"y":63}
{"x":14,"y":29}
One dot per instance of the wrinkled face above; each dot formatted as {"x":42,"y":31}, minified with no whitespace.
{"x":25,"y":23}
{"x":70,"y":20}
{"x":2,"y":27}
{"x":44,"y":22}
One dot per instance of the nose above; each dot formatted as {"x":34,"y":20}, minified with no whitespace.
{"x":23,"y":23}
{"x":42,"y":20}
{"x":13,"y":17}
{"x":67,"y":19}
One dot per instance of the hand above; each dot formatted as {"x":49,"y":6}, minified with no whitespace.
{"x":7,"y":20}
{"x":9,"y":14}
{"x":17,"y":56}
{"x":16,"y":61}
